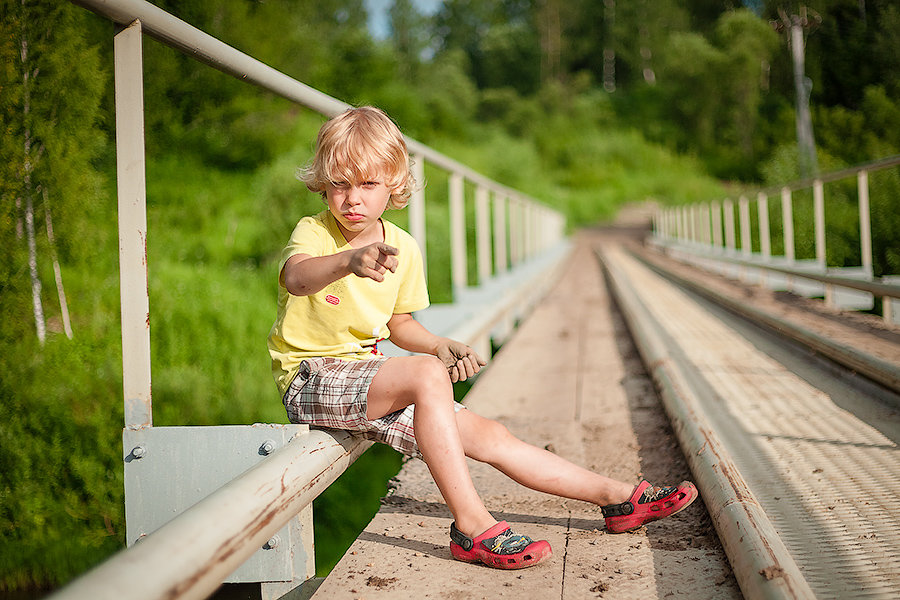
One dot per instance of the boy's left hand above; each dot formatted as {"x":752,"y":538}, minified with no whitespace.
{"x":461,"y":361}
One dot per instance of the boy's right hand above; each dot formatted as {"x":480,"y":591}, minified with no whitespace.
{"x":373,"y":261}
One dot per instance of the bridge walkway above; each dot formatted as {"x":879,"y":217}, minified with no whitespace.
{"x":570,"y":380}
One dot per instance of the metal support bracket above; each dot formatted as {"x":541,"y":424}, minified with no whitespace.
{"x":169,"y":469}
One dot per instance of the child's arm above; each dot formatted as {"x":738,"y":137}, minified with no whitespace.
{"x":303,"y":274}
{"x":461,"y":361}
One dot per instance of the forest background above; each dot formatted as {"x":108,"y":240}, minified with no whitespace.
{"x":583,"y":104}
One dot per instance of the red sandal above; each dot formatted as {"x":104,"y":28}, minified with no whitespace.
{"x":498,"y":547}
{"x":648,"y":503}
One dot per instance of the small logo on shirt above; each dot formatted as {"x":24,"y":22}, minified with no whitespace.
{"x":332,"y":299}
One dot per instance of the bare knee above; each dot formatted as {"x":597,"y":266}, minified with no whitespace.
{"x":408,"y":380}
{"x":432,"y":380}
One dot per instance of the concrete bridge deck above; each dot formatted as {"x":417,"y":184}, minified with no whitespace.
{"x":570,"y":380}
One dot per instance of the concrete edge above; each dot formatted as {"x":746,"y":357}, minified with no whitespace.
{"x":762,"y":564}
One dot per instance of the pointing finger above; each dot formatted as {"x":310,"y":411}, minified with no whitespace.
{"x":386,"y":249}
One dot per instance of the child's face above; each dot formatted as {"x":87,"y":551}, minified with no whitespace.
{"x":357,"y":206}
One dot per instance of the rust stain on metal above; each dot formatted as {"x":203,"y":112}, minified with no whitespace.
{"x":656,"y":364}
{"x":771,"y":572}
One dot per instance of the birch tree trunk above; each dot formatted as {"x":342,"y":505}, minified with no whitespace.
{"x":57,"y":272}
{"x":28,"y":167}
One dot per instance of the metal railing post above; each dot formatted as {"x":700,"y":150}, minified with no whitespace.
{"x":132,"y":215}
{"x":865,"y":221}
{"x":704,"y":223}
{"x":458,"y":270}
{"x":716,"y":214}
{"x":746,"y":240}
{"x":765,"y":240}
{"x":527,"y":246}
{"x":819,"y":218}
{"x":500,"y":257}
{"x":691,"y":220}
{"x":483,"y":233}
{"x":417,"y":207}
{"x":523,"y":231}
{"x":728,"y":210}
{"x":787,"y":227}
{"x":515,"y":217}
{"x":787,"y":221}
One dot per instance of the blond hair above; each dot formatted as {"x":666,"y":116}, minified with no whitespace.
{"x":358,"y":145}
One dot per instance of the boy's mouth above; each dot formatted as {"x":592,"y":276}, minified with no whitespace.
{"x":353,"y":216}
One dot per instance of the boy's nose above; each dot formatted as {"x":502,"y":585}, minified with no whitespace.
{"x":353,"y":195}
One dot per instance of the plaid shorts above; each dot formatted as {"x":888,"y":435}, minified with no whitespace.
{"x":330,"y":392}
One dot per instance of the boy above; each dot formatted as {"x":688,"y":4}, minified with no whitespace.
{"x":349,"y":279}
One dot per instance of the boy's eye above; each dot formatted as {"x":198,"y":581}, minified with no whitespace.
{"x":339,"y":184}
{"x":370,"y":184}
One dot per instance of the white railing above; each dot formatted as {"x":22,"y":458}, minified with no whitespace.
{"x":708,"y":234}
{"x":242,"y":494}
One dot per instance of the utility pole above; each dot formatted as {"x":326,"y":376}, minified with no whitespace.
{"x":646,"y":53}
{"x":609,"y":52}
{"x":795,"y":25}
{"x":551,"y":41}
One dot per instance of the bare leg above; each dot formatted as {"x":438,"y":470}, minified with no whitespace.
{"x":490,"y":442}
{"x":423,"y":381}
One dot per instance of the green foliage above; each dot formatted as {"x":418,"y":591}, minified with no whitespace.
{"x":512,"y":88}
{"x":61,"y":505}
{"x":711,"y":87}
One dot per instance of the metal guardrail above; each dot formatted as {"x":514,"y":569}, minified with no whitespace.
{"x":707,"y":232}
{"x":192,"y":554}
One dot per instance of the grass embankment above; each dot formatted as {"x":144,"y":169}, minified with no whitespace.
{"x":214,"y":239}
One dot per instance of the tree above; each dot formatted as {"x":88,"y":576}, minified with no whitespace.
{"x":748,"y":44}
{"x":499,"y":37}
{"x":409,"y":35}
{"x":51,"y":92}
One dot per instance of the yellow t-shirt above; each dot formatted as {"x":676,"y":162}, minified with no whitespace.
{"x":348,"y":316}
